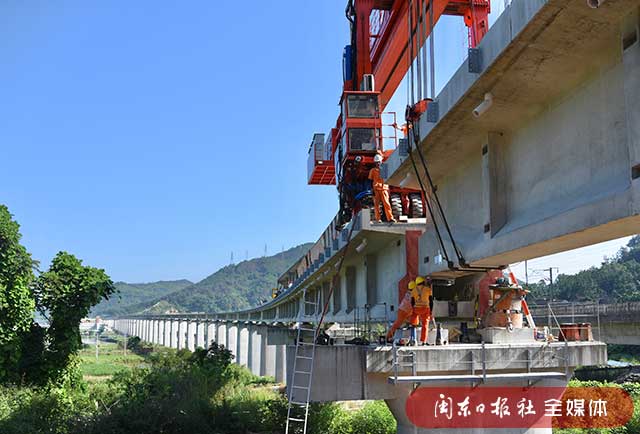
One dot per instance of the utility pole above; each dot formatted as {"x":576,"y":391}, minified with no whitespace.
{"x":550,"y":270}
{"x":526,"y":273}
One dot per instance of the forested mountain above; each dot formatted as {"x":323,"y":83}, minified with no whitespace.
{"x":237,"y":286}
{"x":616,"y":280}
{"x":135,"y":293}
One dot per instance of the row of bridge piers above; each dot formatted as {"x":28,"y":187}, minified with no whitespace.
{"x":261,"y":348}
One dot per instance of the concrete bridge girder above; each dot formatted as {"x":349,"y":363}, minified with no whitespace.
{"x":553,"y":164}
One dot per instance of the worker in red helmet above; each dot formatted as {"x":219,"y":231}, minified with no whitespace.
{"x":422,"y":302}
{"x":380,"y":191}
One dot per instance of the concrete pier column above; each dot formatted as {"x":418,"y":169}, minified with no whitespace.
{"x":243,"y":345}
{"x":171,"y":334}
{"x":213,"y":336}
{"x":179,"y":335}
{"x":221,"y":333}
{"x":254,"y":356}
{"x":188,"y":335}
{"x":164,"y":333}
{"x":201,"y":330}
{"x":196,"y":335}
{"x":268,"y":359}
{"x":281,"y":363}
{"x":232,"y":339}
{"x":205,"y":341}
{"x":154,"y":331}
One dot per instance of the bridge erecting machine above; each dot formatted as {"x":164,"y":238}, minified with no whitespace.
{"x":387,"y":38}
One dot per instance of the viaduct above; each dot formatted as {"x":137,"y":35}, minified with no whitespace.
{"x":554,"y":164}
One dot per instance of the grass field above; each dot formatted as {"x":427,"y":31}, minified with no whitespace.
{"x":111,"y":359}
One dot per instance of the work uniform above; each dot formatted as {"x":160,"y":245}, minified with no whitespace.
{"x":380,"y":194}
{"x":405,"y":310}
{"x":422,"y":300}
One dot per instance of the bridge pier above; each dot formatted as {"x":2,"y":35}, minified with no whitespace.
{"x":197,"y":334}
{"x":221,"y":334}
{"x":232,"y":339}
{"x":180,"y":335}
{"x":156,"y":332}
{"x":268,"y":360}
{"x":254,"y":356}
{"x":164,"y":333}
{"x":242,"y":345}
{"x":190,"y":335}
{"x":281,"y":363}
{"x":206,"y":335}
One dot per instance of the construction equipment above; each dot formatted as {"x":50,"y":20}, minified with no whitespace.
{"x":386,"y":38}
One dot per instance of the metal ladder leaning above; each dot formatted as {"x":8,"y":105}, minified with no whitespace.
{"x":302,"y":375}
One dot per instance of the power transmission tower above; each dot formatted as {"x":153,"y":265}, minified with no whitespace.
{"x":246,"y":255}
{"x":265,"y":249}
{"x":231,"y":262}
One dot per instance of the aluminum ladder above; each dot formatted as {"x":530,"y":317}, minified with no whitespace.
{"x":302,"y":376}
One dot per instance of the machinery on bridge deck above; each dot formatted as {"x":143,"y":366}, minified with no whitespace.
{"x":383,"y":36}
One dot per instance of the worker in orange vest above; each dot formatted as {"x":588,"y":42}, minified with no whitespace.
{"x":405,"y":310}
{"x":422,"y":302}
{"x":380,"y":191}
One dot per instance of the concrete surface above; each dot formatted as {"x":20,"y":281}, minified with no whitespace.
{"x":549,"y":167}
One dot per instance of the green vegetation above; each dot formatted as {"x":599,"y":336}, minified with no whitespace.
{"x":171,"y":391}
{"x":624,"y":353}
{"x":16,"y":301}
{"x":111,"y":359}
{"x":233,"y":287}
{"x":138,"y":293}
{"x":238,"y":286}
{"x":63,"y":295}
{"x":616,"y":280}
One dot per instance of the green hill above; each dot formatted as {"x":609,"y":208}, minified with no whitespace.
{"x":135,"y":293}
{"x":237,"y":286}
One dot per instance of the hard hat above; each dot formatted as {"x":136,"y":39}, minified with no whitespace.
{"x":419,"y":280}
{"x":412,"y":284}
{"x":377,"y":158}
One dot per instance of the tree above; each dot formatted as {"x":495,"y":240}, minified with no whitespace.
{"x":16,"y":302}
{"x":65,"y":294}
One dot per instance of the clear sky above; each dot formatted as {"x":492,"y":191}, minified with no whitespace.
{"x":154,"y":138}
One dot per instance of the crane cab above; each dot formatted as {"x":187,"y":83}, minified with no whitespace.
{"x":361,"y":126}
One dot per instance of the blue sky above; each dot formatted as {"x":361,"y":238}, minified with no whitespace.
{"x":154,"y":138}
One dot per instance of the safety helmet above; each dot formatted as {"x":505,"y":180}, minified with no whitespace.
{"x":419,"y":280}
{"x":412,"y":284}
{"x":377,"y":158}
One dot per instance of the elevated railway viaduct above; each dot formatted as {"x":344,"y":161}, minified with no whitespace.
{"x":552,"y":165}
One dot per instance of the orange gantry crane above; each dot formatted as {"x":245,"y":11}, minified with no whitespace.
{"x":386,"y":40}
